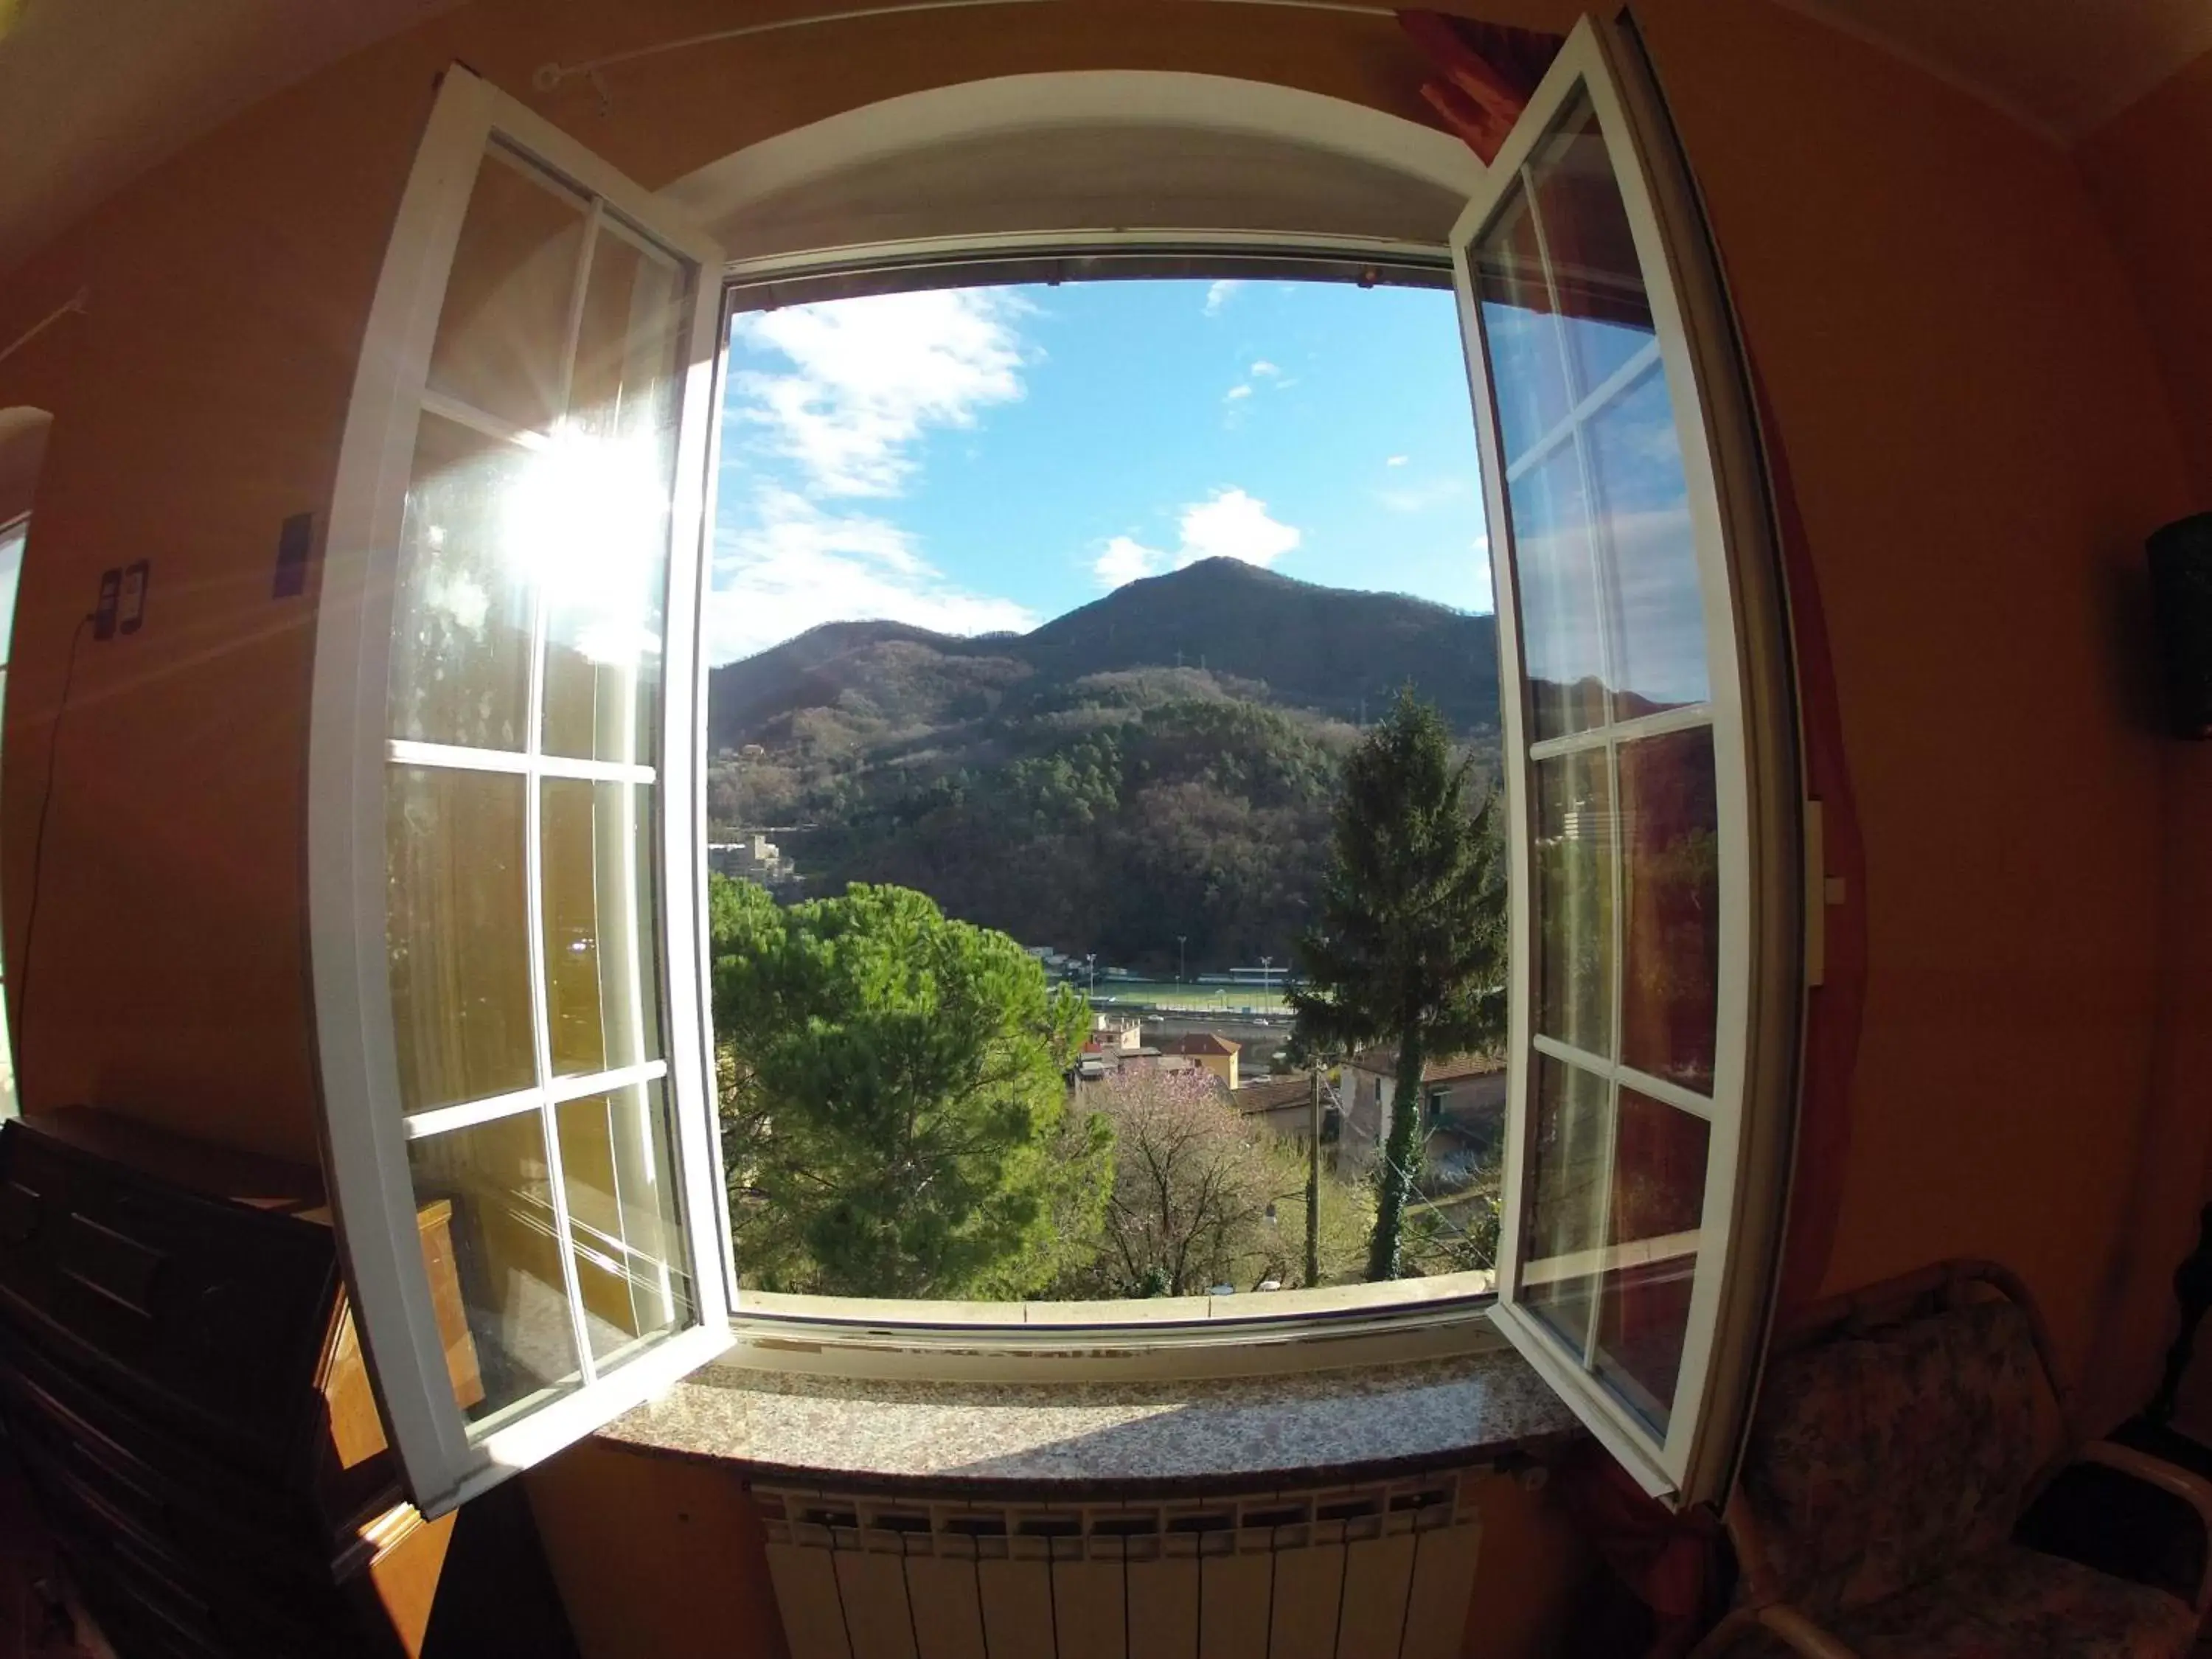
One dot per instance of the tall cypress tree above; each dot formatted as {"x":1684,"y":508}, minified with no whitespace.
{"x":1412,"y":938}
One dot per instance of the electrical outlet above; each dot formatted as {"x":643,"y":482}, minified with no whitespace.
{"x":110,"y":595}
{"x":131,"y":608}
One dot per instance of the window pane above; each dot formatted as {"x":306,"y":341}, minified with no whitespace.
{"x":602,"y":940}
{"x":1658,"y":1205}
{"x":618,"y":1167}
{"x":1670,"y":889}
{"x":12,"y":541}
{"x":1564,"y":1214}
{"x":1651,"y":556}
{"x":605,"y":560}
{"x":457,"y":931}
{"x":1561,"y":633}
{"x":1527,"y":372}
{"x":1594,"y":273}
{"x":495,"y":1175}
{"x":503,"y":333}
{"x":460,"y":617}
{"x":1573,"y":902}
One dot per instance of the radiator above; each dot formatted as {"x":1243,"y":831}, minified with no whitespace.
{"x":1380,"y":1571}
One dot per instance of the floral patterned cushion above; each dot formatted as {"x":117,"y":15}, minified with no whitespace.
{"x":1878,"y":1460}
{"x":2008,"y":1603}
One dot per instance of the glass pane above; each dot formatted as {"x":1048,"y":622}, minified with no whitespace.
{"x":1596,"y":277}
{"x":618,"y":1167}
{"x":1572,"y":924}
{"x":495,"y":1178}
{"x":1643,"y":519}
{"x":457,"y":930}
{"x":602,"y":946}
{"x":503,"y":332}
{"x":604,"y":553}
{"x":460,"y":616}
{"x":1527,"y":374}
{"x":1564,"y":1214}
{"x":1561,"y":642}
{"x":1658,"y":1209}
{"x":12,"y":540}
{"x":1670,"y":892}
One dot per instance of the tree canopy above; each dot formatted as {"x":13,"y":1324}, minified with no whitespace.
{"x":1410,"y":943}
{"x":894,"y":1107}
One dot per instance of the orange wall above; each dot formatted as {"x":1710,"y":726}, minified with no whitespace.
{"x":2144,"y":170}
{"x":1956,"y":355}
{"x":1971,"y":408}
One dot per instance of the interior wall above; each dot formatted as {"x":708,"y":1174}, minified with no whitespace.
{"x":1951,"y":347}
{"x":1970,"y":405}
{"x":2144,"y":170}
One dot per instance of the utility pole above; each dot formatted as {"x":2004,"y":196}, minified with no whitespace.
{"x":1090,"y":961}
{"x":1313,"y":1182}
{"x":1180,"y":938}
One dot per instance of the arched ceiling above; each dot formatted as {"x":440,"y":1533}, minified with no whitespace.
{"x":94,"y":92}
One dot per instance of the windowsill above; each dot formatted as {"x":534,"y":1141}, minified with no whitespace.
{"x":1135,"y":1436}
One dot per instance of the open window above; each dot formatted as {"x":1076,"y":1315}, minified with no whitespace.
{"x":1648,"y":760}
{"x":508,"y":795}
{"x":504,"y":859}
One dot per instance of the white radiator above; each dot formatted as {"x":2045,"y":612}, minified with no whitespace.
{"x":1373,"y":1571}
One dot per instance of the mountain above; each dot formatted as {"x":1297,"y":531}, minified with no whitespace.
{"x":1336,"y":652}
{"x":1154,"y":770}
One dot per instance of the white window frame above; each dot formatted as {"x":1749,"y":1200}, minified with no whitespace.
{"x":1752,"y":711}
{"x":365,"y":1134}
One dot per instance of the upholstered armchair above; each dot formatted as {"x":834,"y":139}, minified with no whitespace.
{"x":1900,"y":1434}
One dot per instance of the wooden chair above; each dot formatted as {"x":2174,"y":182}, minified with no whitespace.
{"x":1901,"y":1432}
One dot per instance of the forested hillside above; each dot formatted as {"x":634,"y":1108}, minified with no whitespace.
{"x":1160,"y":763}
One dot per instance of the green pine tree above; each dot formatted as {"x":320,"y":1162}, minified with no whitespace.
{"x":894,"y":1113}
{"x":1410,"y":943}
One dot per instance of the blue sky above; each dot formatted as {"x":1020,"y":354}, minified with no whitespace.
{"x":989,"y":458}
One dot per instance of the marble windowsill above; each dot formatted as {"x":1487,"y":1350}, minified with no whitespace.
{"x":1129,"y":1438}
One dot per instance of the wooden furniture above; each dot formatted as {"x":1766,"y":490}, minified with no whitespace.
{"x":181,"y":1377}
{"x":1901,"y":1433}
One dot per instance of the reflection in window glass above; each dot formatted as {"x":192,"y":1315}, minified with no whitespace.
{"x":502,"y":336}
{"x":494,"y":1178}
{"x":1562,"y":635}
{"x":523,"y":903}
{"x":13,"y":537}
{"x":458,"y":933}
{"x":1670,"y":894}
{"x":460,"y":625}
{"x":1614,"y":643}
{"x":604,"y":600}
{"x":1573,"y":856}
{"x":602,"y":940}
{"x":619,"y":1175}
{"x":1643,"y":513}
{"x":1564,"y":1219}
{"x":1653,"y":1234}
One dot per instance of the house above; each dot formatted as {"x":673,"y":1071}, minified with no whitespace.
{"x":1463,"y":1104}
{"x":752,"y":858}
{"x":1284,"y":1107}
{"x":1965,"y":260}
{"x":1124,"y":1034}
{"x":1214,"y":1054}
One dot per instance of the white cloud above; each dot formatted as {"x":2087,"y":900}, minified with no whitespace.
{"x":1236,"y":392}
{"x":1395,"y":460}
{"x":793,"y":566}
{"x":1420,"y":497}
{"x":1262,"y":369}
{"x":1230,"y":524}
{"x":870,"y":376}
{"x":1218,"y":294}
{"x":1125,"y":560}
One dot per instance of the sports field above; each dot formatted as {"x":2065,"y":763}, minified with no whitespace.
{"x":1166,"y":994}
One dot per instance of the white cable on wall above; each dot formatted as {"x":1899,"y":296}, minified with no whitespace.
{"x":79,"y":301}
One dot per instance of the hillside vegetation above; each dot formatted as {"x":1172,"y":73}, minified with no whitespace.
{"x":1159,"y":763}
